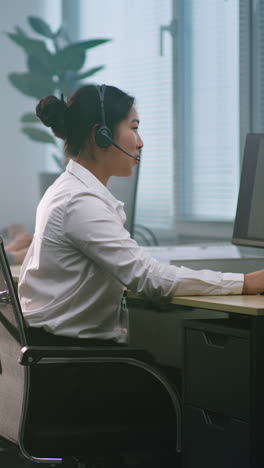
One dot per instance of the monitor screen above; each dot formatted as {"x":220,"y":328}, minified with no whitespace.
{"x":249,"y":220}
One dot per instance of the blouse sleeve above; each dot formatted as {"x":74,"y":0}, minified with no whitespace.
{"x":97,"y":231}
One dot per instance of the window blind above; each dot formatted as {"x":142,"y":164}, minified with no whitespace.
{"x":210,"y":145}
{"x":133,"y":63}
{"x":258,"y":66}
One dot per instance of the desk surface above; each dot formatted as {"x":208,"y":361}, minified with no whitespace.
{"x":249,"y":305}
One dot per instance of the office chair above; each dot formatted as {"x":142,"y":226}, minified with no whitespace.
{"x":129,"y":405}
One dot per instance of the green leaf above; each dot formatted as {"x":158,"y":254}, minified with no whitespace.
{"x":42,"y":63}
{"x":31,"y":46}
{"x":29,"y":117}
{"x":40,"y":26}
{"x":39,"y":135}
{"x":66,"y":59}
{"x":20,"y":31}
{"x":89,"y":44}
{"x":90,"y":72}
{"x":59,"y":32}
{"x":72,"y":57}
{"x":32,"y":84}
{"x":40,"y":59}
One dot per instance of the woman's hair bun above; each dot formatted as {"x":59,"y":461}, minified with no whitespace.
{"x":51,"y":111}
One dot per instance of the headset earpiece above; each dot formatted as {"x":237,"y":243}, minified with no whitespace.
{"x":103,"y":134}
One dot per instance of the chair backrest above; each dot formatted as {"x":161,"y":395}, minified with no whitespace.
{"x":12,"y":339}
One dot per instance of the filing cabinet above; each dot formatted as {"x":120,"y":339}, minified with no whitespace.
{"x":212,"y":440}
{"x":222,"y":403}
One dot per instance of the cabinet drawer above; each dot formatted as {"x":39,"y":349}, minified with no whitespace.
{"x":212,"y":440}
{"x":217,"y":370}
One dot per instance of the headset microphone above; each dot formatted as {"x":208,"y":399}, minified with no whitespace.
{"x":103,"y":134}
{"x":109,"y":140}
{"x":128,"y":154}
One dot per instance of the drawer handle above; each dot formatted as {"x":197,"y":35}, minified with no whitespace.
{"x":219,"y":421}
{"x":216,"y":340}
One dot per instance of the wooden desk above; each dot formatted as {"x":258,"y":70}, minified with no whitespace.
{"x":249,"y":305}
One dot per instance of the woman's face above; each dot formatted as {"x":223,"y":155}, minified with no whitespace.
{"x":127,"y":137}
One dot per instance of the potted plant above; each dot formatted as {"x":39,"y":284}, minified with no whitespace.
{"x":55,"y":66}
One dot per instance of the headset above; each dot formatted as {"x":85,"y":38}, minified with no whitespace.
{"x":103,"y":134}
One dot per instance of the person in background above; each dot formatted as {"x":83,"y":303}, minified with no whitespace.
{"x":17,"y":248}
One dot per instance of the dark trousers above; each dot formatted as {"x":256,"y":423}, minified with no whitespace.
{"x":40,"y":337}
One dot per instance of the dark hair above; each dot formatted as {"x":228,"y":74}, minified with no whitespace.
{"x":74,"y":121}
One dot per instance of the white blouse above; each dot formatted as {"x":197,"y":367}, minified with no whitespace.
{"x":82,"y":259}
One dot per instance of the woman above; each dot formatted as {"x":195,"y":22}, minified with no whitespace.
{"x":81,"y":258}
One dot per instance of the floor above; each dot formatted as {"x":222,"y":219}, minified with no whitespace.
{"x":10,"y":457}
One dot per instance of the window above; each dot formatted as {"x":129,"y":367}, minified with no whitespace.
{"x":196,"y":102}
{"x":257,"y":74}
{"x":133,"y":63}
{"x":209,"y":84}
{"x":220,"y":89}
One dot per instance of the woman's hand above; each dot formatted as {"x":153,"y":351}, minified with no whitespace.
{"x":253,"y":282}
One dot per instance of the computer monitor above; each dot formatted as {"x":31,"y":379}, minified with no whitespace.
{"x":249,"y":220}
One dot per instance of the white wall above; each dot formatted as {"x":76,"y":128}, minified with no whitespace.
{"x":21,"y":159}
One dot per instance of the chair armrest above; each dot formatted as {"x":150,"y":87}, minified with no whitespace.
{"x":35,"y":354}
